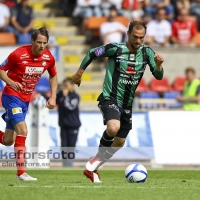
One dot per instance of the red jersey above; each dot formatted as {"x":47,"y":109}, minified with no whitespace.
{"x":184,"y":31}
{"x":25,"y":68}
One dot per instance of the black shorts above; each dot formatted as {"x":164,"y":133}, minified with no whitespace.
{"x":112,"y":111}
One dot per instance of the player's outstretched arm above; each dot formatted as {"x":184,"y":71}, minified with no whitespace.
{"x":76,"y":78}
{"x":53,"y":81}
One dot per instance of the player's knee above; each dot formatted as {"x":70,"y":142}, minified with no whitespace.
{"x":113,"y":129}
{"x":8,"y":141}
{"x":23,"y":132}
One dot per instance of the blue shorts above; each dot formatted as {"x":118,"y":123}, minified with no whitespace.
{"x":16,"y":110}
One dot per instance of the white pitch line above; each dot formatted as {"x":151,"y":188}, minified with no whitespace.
{"x":93,"y":187}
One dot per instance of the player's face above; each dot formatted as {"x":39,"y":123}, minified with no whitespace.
{"x":136,"y":38}
{"x":39,"y":45}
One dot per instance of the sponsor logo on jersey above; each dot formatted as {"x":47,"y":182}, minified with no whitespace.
{"x":120,"y":57}
{"x":99,"y":51}
{"x":132,"y":57}
{"x":45,"y":57}
{"x":34,"y":70}
{"x":24,"y":62}
{"x":44,"y":63}
{"x":31,"y":85}
{"x":129,"y":62}
{"x":16,"y":110}
{"x":24,"y":56}
{"x":35,"y":58}
{"x":5,"y":62}
{"x":125,"y":75}
{"x":130,"y":70}
{"x":128,"y":82}
{"x":31,"y":76}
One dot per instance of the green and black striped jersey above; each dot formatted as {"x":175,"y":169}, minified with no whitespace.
{"x":124,"y":70}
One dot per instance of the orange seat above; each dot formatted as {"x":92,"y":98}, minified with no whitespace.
{"x":160,"y":85}
{"x":7,"y":39}
{"x":197,"y":39}
{"x":95,"y":22}
{"x":179,"y":83}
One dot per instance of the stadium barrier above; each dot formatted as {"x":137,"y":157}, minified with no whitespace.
{"x":164,"y":137}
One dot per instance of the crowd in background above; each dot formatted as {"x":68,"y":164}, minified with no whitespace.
{"x":16,"y":18}
{"x":168,"y":21}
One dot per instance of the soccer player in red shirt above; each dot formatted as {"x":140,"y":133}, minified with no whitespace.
{"x":183,"y":29}
{"x":21,"y":71}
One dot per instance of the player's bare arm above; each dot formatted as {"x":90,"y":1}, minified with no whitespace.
{"x":51,"y":103}
{"x":76,"y":78}
{"x":14,"y":85}
{"x":158,"y":60}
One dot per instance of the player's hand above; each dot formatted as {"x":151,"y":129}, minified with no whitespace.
{"x":76,"y":79}
{"x":158,"y":59}
{"x":16,"y":86}
{"x":51,"y":103}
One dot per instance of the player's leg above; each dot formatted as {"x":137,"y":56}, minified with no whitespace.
{"x":20,"y":149}
{"x":120,"y":138}
{"x":15,"y":119}
{"x":7,"y":138}
{"x":111,"y":115}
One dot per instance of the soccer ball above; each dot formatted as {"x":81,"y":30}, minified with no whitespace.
{"x":136,"y":173}
{"x":39,"y":102}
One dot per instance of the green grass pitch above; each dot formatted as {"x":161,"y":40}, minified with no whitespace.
{"x":72,"y":185}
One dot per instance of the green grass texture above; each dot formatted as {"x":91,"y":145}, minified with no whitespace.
{"x":72,"y":185}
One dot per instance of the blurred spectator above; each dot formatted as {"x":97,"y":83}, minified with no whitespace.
{"x":86,"y":9}
{"x":147,"y":18}
{"x":10,"y":3}
{"x":179,"y":4}
{"x":191,"y":91}
{"x":133,"y":9}
{"x":158,"y":30}
{"x":107,"y":4}
{"x":184,"y":30}
{"x":67,"y":7}
{"x":68,"y":118}
{"x":22,"y":18}
{"x":195,"y":10}
{"x":151,"y":7}
{"x":112,"y":31}
{"x":4,"y":17}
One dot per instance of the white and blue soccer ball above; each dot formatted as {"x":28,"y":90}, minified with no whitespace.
{"x":136,"y":173}
{"x":40,"y":102}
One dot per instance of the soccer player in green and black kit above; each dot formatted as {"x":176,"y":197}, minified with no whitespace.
{"x":125,"y":67}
